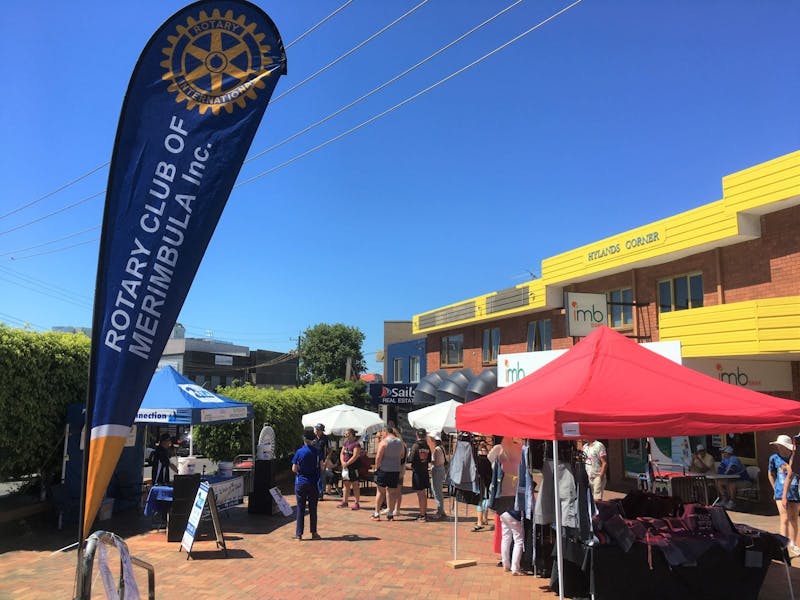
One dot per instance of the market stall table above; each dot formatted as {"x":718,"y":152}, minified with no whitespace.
{"x":714,"y":477}
{"x":159,"y":500}
{"x":229,"y":491}
{"x":656,"y":547}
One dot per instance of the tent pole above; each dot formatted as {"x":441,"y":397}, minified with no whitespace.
{"x":253,"y":437}
{"x":455,"y":529}
{"x":191,"y":439}
{"x":559,"y":548}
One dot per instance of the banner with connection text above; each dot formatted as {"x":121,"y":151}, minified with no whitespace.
{"x":194,"y":102}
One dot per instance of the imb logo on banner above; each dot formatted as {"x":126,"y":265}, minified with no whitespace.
{"x":585,"y":312}
{"x":512,"y":372}
{"x":759,"y":375}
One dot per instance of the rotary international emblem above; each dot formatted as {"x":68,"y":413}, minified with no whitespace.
{"x":216,"y":62}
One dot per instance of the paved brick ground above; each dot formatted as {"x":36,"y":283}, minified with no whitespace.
{"x":356,"y":558}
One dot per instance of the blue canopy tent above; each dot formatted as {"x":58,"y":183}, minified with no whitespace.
{"x":172,"y":399}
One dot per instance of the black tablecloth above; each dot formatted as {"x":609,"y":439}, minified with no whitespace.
{"x":612,"y":574}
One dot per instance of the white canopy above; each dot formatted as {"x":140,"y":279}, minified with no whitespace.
{"x":438,"y":418}
{"x":338,"y":419}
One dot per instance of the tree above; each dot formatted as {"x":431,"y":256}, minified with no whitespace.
{"x":325,"y":349}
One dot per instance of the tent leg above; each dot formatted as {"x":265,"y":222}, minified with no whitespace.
{"x":251,"y":484}
{"x":191,"y":440}
{"x":455,"y":531}
{"x":559,"y":548}
{"x":789,"y":579}
{"x":253,"y":437}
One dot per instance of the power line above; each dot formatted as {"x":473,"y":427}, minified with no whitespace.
{"x":45,"y":293}
{"x":27,"y":279}
{"x":55,"y":212}
{"x":22,"y":322}
{"x":318,"y":25}
{"x":349,"y":52}
{"x":54,"y":250}
{"x":406,"y":101}
{"x":375,"y":90}
{"x":55,"y":191}
{"x":107,"y":163}
{"x":66,"y":237}
{"x":364,"y":123}
{"x":324,"y":119}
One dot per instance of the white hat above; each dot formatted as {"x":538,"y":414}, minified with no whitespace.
{"x":785,"y":441}
{"x":700,"y":447}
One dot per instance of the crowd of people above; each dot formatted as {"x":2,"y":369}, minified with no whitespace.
{"x":319,"y":469}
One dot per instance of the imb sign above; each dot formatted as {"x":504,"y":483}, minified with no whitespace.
{"x":585,"y":312}
{"x":513,"y":367}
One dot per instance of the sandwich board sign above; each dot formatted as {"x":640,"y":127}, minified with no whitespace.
{"x":204,"y":502}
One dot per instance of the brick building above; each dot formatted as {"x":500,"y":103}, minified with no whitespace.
{"x":723,"y":279}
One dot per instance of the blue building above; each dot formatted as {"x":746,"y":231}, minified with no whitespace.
{"x":405,"y":361}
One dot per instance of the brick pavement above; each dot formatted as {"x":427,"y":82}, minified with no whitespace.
{"x":356,"y":558}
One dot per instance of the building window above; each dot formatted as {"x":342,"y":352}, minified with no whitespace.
{"x":452,"y":352}
{"x":397,"y":370}
{"x":620,"y":307}
{"x":413,"y":367}
{"x":491,"y":344}
{"x":680,"y":293}
{"x":539,"y":336}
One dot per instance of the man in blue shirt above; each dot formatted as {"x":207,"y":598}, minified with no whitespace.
{"x":305,"y":466}
{"x":730,"y":465}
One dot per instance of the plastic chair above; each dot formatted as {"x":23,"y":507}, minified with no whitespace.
{"x":750,"y":492}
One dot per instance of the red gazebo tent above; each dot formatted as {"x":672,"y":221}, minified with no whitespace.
{"x":608,"y":386}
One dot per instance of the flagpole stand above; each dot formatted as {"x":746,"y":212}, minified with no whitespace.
{"x":457,"y":563}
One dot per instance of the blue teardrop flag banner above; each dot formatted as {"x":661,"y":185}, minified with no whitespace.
{"x":194,"y":102}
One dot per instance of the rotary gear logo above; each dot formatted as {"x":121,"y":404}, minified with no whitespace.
{"x":216,"y":62}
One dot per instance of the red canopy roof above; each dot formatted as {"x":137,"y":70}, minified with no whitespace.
{"x":608,"y":386}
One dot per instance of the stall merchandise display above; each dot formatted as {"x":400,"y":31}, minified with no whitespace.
{"x":656,"y":547}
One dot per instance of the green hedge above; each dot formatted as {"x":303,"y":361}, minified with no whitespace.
{"x":46,"y":372}
{"x":280,"y":409}
{"x":43,"y":374}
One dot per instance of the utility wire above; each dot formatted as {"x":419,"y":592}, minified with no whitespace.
{"x":63,"y":187}
{"x":61,"y":239}
{"x":201,"y":333}
{"x":381,"y":86}
{"x":39,"y":282}
{"x":321,"y":121}
{"x":406,"y":101}
{"x":54,"y":250}
{"x":318,"y":25}
{"x":22,"y":322}
{"x":349,"y":52}
{"x":44,"y":293}
{"x":364,"y":123}
{"x":55,"y":212}
{"x":107,"y":163}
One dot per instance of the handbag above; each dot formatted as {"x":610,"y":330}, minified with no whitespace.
{"x":346,"y":474}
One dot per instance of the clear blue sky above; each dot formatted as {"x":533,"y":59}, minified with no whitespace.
{"x":613,"y":115}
